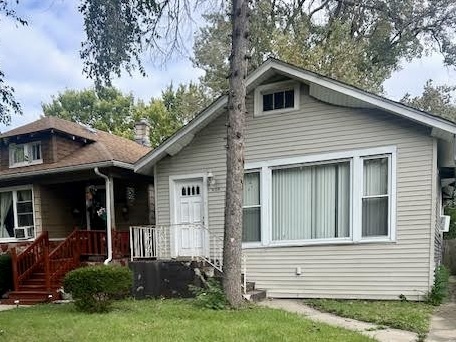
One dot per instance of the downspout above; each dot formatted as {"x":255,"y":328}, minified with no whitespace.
{"x":108,"y":214}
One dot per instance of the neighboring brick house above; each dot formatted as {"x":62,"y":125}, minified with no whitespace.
{"x":48,"y":181}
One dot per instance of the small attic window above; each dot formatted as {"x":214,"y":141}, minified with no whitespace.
{"x":277,"y":98}
{"x":25,"y":154}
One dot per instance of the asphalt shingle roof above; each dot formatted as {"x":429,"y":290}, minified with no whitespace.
{"x":100,"y":147}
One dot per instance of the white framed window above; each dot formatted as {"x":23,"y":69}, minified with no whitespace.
{"x":311,"y":201}
{"x":25,"y":154}
{"x":251,"y":230}
{"x":16,"y":214}
{"x":375,"y":197}
{"x":275,"y":98}
{"x":342,"y":197}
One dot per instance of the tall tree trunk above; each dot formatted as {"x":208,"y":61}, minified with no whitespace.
{"x":235,"y":153}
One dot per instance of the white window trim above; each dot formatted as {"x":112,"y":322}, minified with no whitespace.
{"x":14,"y":190}
{"x":251,"y":244}
{"x":27,"y":149}
{"x":356,"y":157}
{"x":389,"y":195}
{"x":275,"y":87}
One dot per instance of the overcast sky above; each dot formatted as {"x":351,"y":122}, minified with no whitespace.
{"x":42,"y":59}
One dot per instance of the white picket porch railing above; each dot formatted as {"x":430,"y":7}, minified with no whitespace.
{"x":148,"y":242}
{"x":154,"y":242}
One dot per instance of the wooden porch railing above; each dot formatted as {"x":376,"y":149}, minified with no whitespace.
{"x":66,"y":256}
{"x":92,"y":242}
{"x":120,"y":244}
{"x":34,"y":256}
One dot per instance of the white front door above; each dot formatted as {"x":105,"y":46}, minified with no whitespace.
{"x":189,"y":218}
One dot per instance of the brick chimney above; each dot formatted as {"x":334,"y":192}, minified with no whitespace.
{"x":142,"y":130}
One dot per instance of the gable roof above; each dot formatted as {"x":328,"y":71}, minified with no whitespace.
{"x":321,"y":87}
{"x":100,"y":148}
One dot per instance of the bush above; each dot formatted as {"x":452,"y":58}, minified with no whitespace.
{"x":211,"y":296}
{"x":6,"y":274}
{"x":440,"y":288}
{"x":94,"y":287}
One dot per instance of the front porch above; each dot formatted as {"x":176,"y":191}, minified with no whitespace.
{"x":38,"y":270}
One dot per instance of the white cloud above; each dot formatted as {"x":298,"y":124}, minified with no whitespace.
{"x":414,"y":75}
{"x":42,"y":59}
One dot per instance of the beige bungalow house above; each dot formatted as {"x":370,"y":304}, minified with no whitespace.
{"x":342,"y":188}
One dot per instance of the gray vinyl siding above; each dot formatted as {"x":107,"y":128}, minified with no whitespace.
{"x":370,"y":270}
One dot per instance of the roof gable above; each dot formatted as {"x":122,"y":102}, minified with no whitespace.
{"x":321,"y":87}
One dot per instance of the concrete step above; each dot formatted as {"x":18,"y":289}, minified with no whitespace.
{"x":250,"y":286}
{"x":255,"y":295}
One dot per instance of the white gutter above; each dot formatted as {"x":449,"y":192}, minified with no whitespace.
{"x":108,"y":214}
{"x":67,"y":169}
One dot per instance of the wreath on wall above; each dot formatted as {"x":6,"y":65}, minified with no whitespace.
{"x":92,"y":205}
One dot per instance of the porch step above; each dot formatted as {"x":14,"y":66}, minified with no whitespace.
{"x":30,"y":297}
{"x":255,"y":295}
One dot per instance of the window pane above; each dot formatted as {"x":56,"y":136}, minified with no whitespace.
{"x":251,"y":231}
{"x":6,"y":215}
{"x":289,"y":99}
{"x":25,"y":220}
{"x":24,"y":195}
{"x":18,"y":154}
{"x":24,"y":207}
{"x":375,"y":216}
{"x":311,"y":202}
{"x":252,"y":216}
{"x":376,"y":177}
{"x":251,"y":188}
{"x":268,"y":102}
{"x":36,"y":152}
{"x":279,"y":100}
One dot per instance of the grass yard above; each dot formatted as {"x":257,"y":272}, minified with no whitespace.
{"x":411,"y":316}
{"x":163,"y":320}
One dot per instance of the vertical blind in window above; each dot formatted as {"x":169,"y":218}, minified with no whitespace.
{"x":252,"y":208}
{"x":311,"y":202}
{"x":375,"y":197}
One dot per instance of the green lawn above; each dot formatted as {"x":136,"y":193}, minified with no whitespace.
{"x":163,"y":320}
{"x":410,"y":316}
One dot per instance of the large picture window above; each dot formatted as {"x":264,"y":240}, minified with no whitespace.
{"x":16,"y":214}
{"x":311,"y":202}
{"x":339,"y":197}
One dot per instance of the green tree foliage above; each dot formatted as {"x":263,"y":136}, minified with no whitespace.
{"x":106,"y":109}
{"x":437,"y":100}
{"x":8,"y":103}
{"x":172,"y":110}
{"x":109,"y":110}
{"x":358,"y":42}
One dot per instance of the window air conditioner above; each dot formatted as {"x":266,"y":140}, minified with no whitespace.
{"x":444,"y":223}
{"x":23,"y":233}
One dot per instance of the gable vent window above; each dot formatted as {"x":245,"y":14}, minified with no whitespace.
{"x":25,"y":154}
{"x":276,"y":98}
